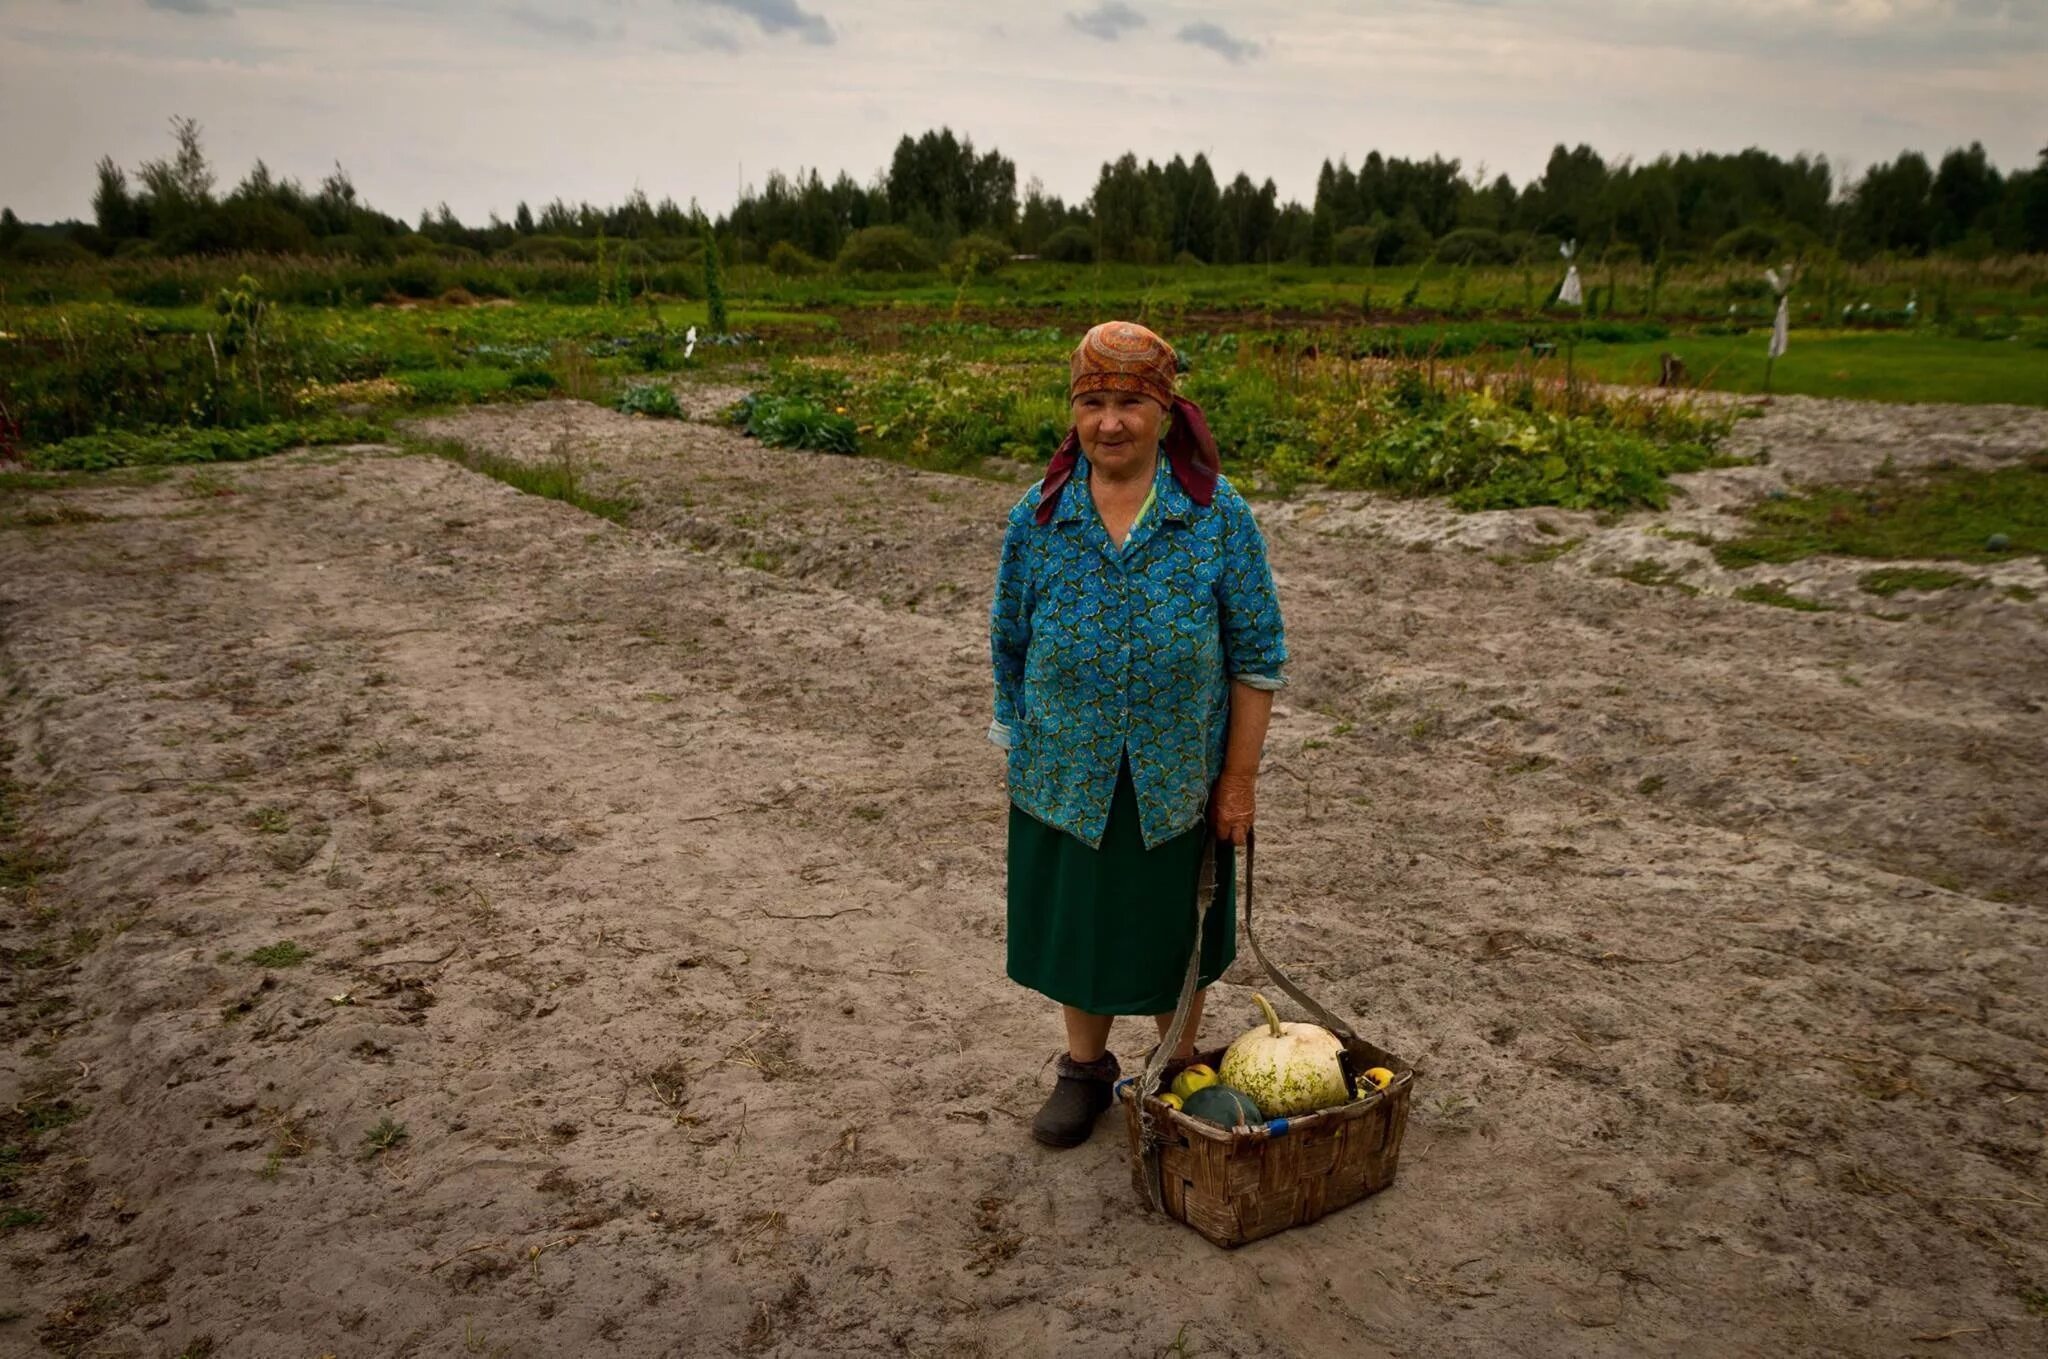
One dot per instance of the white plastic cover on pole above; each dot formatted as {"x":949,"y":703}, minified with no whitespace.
{"x":1570,"y":292}
{"x":1781,"y":328}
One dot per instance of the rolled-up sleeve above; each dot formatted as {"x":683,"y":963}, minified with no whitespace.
{"x":1254,"y":638}
{"x":1009,"y":628}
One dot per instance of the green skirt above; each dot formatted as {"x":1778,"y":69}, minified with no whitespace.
{"x":1108,"y":930}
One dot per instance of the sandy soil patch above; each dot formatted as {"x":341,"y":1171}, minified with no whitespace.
{"x":649,"y":878}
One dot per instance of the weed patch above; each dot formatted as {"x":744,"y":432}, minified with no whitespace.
{"x":283,"y":954}
{"x":122,"y":448}
{"x":1892,"y":580}
{"x":559,"y":477}
{"x":1959,"y":514}
{"x":1774,"y":593}
{"x":384,"y":1137}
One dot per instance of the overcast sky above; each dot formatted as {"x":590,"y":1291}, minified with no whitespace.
{"x":487,"y":102}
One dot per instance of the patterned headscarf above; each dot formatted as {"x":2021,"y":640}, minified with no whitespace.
{"x":1122,"y":356}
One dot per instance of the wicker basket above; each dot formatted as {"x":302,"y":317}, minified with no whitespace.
{"x":1235,"y":1187}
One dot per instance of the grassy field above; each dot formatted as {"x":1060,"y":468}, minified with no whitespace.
{"x":1864,"y":365}
{"x":1465,"y":397}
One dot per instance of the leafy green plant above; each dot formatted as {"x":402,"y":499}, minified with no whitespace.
{"x":655,"y":399}
{"x":795,"y":421}
{"x":384,"y":1137}
{"x":714,"y":279}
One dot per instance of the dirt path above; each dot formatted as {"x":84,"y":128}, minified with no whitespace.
{"x":649,"y":877}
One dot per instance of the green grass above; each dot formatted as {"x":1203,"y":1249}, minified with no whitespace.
{"x":284,"y":954}
{"x":557,"y":478}
{"x":1649,"y":571}
{"x":1892,"y":580}
{"x":122,"y":448}
{"x":1865,"y":365}
{"x":1948,"y":514}
{"x":1774,"y":593}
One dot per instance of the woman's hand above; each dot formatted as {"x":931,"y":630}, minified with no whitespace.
{"x":1231,"y":805}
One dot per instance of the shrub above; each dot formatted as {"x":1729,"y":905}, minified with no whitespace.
{"x":884,"y":250}
{"x":1404,"y":240}
{"x":1355,"y":245}
{"x":549,"y":248}
{"x":1069,"y":245}
{"x":414,"y":275}
{"x":788,"y":261}
{"x":978,"y":256}
{"x":43,"y":248}
{"x":1752,"y":243}
{"x":1472,"y":245}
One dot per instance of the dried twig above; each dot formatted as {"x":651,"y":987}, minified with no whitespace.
{"x":467,"y":1250}
{"x":415,"y":962}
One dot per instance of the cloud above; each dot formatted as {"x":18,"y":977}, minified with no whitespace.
{"x":1108,"y":21}
{"x":192,"y":7}
{"x":782,"y":16}
{"x":1218,"y":40}
{"x":571,"y":26}
{"x":718,"y":40}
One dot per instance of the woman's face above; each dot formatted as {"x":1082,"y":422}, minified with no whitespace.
{"x":1119,"y":430}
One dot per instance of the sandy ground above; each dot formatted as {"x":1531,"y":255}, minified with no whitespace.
{"x":649,"y":877}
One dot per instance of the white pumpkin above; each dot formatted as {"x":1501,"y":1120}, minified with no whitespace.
{"x":1288,"y":1069}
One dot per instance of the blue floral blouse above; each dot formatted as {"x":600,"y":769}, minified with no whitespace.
{"x":1101,"y":652}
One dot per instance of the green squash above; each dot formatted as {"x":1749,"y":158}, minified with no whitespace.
{"x":1223,"y":1106}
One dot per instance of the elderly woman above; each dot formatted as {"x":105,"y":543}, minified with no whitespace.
{"x":1137,"y":641}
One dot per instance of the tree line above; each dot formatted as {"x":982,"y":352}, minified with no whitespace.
{"x":939,"y":193}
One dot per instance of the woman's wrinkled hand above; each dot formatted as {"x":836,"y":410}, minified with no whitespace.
{"x":1231,"y":806}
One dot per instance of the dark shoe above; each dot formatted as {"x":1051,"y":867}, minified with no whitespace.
{"x":1077,"y":1100}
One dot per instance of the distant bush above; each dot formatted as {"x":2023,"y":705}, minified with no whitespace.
{"x":885,"y":250}
{"x":42,"y":248}
{"x":549,"y":248}
{"x":1472,"y":245}
{"x":978,"y":256}
{"x":1354,"y":245}
{"x":1403,"y":240}
{"x":1069,"y":245}
{"x":788,"y":261}
{"x":415,"y":276}
{"x":1752,"y":243}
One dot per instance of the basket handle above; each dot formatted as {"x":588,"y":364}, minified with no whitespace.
{"x":1280,"y":979}
{"x":1169,"y":1042}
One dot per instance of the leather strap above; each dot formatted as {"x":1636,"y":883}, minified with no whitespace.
{"x":1149,"y":1137}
